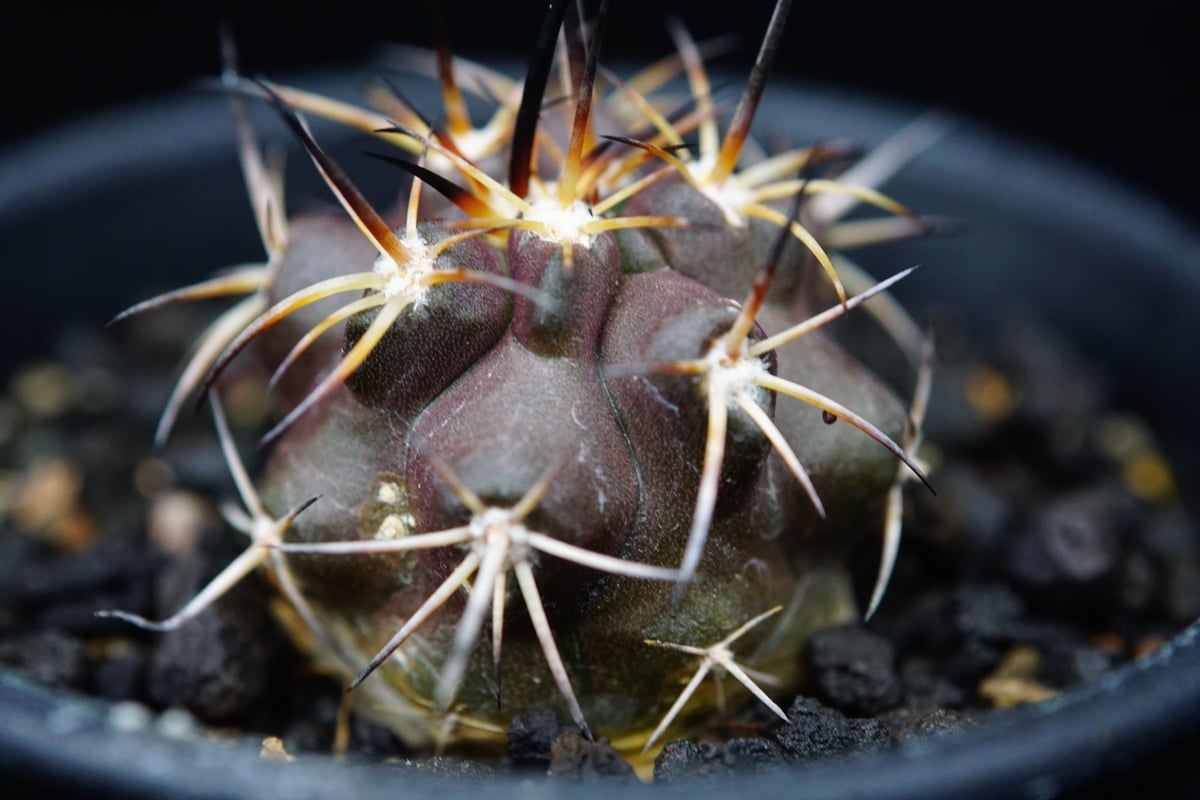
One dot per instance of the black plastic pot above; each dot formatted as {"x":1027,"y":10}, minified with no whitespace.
{"x":94,"y":216}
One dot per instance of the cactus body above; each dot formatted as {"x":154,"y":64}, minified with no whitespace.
{"x":555,"y":439}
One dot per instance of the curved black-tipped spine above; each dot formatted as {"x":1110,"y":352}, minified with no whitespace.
{"x":439,"y":183}
{"x":525,"y":129}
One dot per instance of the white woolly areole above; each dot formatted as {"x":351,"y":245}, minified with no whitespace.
{"x":499,"y":524}
{"x":727,"y":195}
{"x":562,"y":224}
{"x":405,"y":279}
{"x":730,"y":199}
{"x":737,"y":374}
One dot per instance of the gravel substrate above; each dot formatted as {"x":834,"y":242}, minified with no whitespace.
{"x":1055,"y":549}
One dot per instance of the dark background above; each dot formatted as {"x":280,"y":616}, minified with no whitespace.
{"x":1112,"y":88}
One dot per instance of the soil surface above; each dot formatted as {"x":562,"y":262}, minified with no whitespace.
{"x":1055,"y":549}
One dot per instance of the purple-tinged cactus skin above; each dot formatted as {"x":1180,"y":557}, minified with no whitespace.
{"x":575,"y":421}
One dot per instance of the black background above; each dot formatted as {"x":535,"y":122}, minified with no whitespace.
{"x":1113,"y":88}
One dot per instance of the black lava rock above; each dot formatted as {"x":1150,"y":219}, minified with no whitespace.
{"x":530,"y":737}
{"x":815,"y":732}
{"x":854,"y":670}
{"x":1068,"y":554}
{"x":220,"y":663}
{"x":574,"y":756}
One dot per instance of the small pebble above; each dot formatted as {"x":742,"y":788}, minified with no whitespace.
{"x":573,"y":756}
{"x":990,"y":393}
{"x":176,"y":520}
{"x":273,"y":750}
{"x":1147,"y":645}
{"x":48,"y":504}
{"x":129,"y":717}
{"x":44,"y":390}
{"x":1015,"y":680}
{"x":176,"y":723}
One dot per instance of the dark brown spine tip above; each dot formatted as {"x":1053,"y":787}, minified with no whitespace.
{"x":583,"y":109}
{"x":447,"y":188}
{"x":525,"y":129}
{"x":337,"y":179}
{"x":743,"y":116}
{"x":452,"y":100}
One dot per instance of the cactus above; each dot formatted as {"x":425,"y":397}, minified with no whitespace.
{"x":582,"y":424}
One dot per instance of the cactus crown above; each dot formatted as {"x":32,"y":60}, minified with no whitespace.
{"x":553,"y":411}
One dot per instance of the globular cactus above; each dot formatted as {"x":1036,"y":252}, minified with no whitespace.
{"x":582,"y":426}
